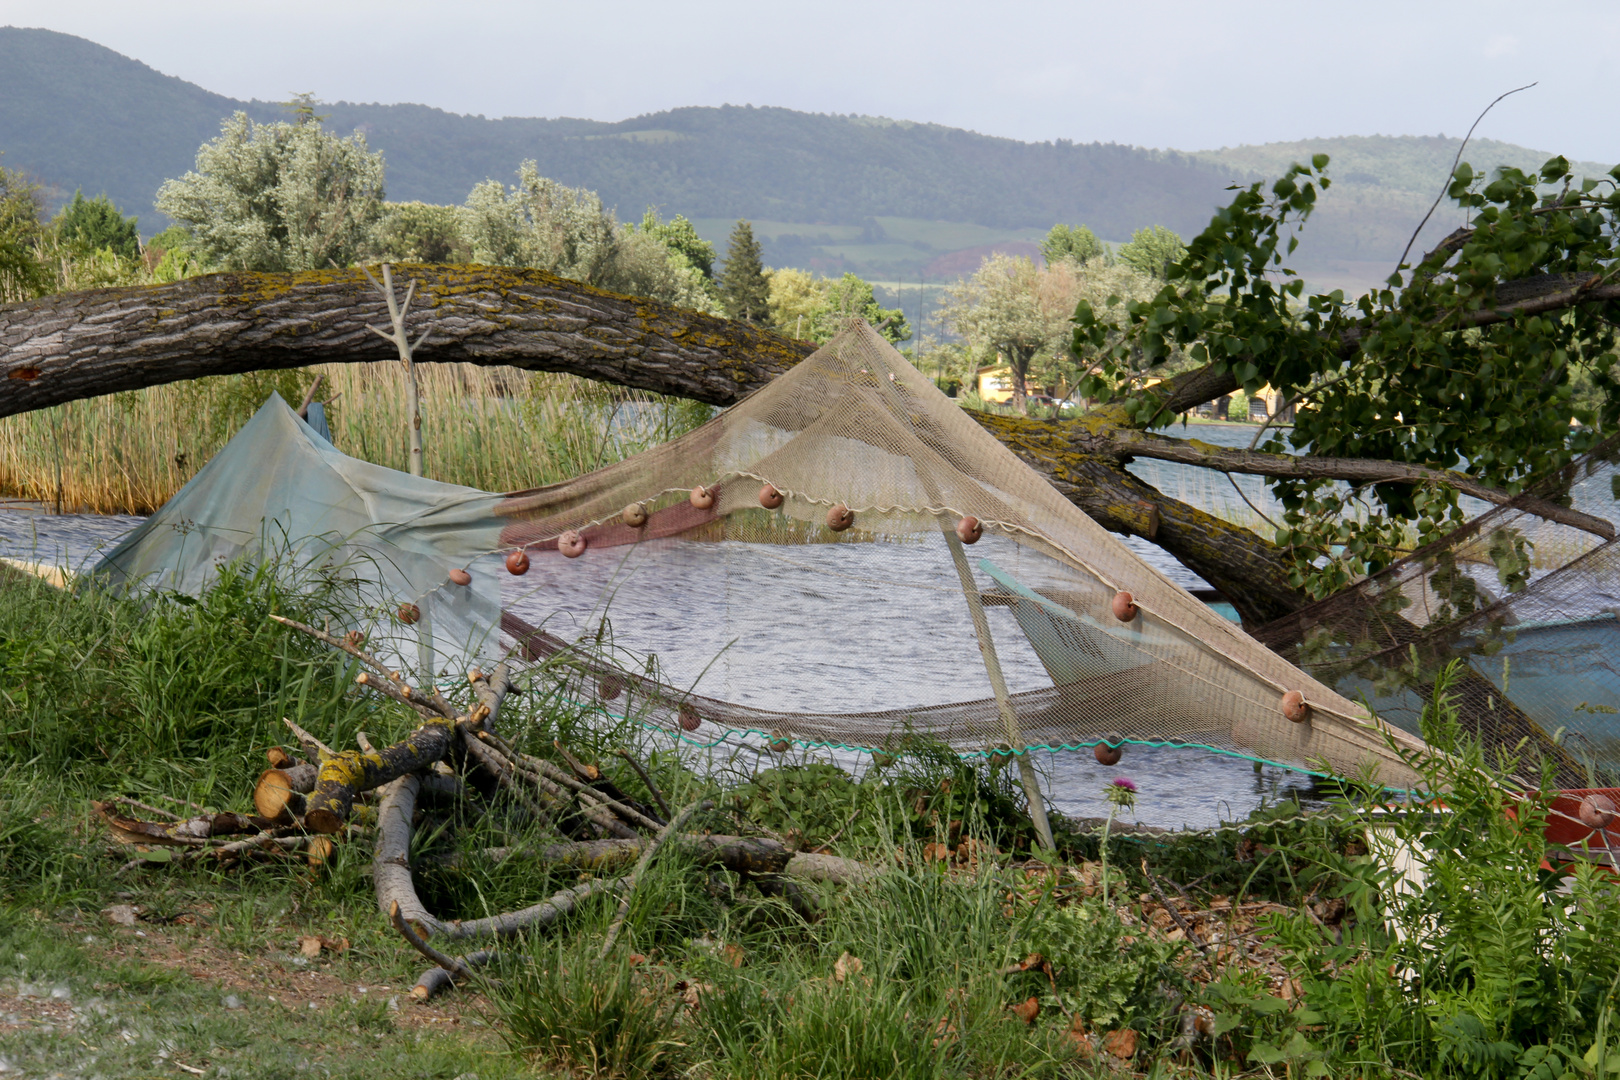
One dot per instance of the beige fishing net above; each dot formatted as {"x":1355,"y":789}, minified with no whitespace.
{"x":845,"y":557}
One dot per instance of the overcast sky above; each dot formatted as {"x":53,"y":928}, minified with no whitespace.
{"x":1165,"y":74}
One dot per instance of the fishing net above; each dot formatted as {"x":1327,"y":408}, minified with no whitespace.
{"x":712,"y":589}
{"x":1528,"y":606}
{"x":844,"y":558}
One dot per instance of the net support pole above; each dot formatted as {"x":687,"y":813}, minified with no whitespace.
{"x":998,"y":683}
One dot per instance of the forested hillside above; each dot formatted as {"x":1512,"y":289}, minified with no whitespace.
{"x":893,"y":200}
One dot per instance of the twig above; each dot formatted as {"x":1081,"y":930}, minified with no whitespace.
{"x":137,"y":804}
{"x":313,"y":747}
{"x":395,"y":687}
{"x":1445,"y":185}
{"x":364,"y":743}
{"x":1186,"y":927}
{"x":652,"y":788}
{"x":582,"y":770}
{"x":827,"y":843}
{"x":675,"y":825}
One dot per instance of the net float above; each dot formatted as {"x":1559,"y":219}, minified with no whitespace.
{"x":779,"y":743}
{"x":769,"y":497}
{"x":635,"y":515}
{"x":610,"y":687}
{"x":571,"y":544}
{"x":1110,"y":750}
{"x":1295,"y":708}
{"x":968,"y":530}
{"x":1597,"y":812}
{"x":408,"y":613}
{"x":689,"y":717}
{"x":460,"y":576}
{"x":702,"y":497}
{"x":1124,"y":606}
{"x":840,"y":518}
{"x":517,"y":563}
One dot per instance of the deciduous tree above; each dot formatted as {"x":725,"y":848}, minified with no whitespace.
{"x":278,"y":196}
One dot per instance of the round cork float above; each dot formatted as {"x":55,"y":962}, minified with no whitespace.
{"x":571,"y":544}
{"x":517,"y":563}
{"x":840,"y":518}
{"x":702,"y":497}
{"x":1597,"y":812}
{"x":1295,"y":708}
{"x":770,"y":498}
{"x":1124,"y":606}
{"x":969,"y":529}
{"x":634,"y":515}
{"x":460,"y":576}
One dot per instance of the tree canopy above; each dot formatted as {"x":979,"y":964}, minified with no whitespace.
{"x":1458,"y":377}
{"x":744,"y":292}
{"x":1072,"y":243}
{"x":278,"y":196}
{"x":812,"y":308}
{"x":95,"y":224}
{"x":1152,"y":250}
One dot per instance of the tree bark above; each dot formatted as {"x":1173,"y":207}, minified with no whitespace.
{"x":75,"y":345}
{"x":346,"y":775}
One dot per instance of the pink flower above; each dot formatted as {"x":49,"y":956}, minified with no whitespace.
{"x":1126,"y":783}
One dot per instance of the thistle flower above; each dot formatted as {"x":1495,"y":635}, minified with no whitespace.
{"x":1121,"y":792}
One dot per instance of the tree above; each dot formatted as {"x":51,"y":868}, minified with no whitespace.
{"x":1458,"y":377}
{"x":681,"y":237}
{"x":814,"y":309}
{"x":567,"y":231}
{"x":96,"y":225}
{"x":22,"y":273}
{"x":744,"y":292}
{"x":279,"y":196}
{"x":1011,"y":306}
{"x":1152,"y":250}
{"x":1072,"y":243}
{"x":420,"y":232}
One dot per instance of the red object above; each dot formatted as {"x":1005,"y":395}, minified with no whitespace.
{"x":1110,"y":750}
{"x":517,"y":563}
{"x":702,"y":497}
{"x":409,"y":613}
{"x":460,"y":576}
{"x":571,"y":544}
{"x":634,"y":515}
{"x":1568,"y":827}
{"x":1124,"y":606}
{"x":1295,"y":708}
{"x":840,"y":518}
{"x":769,"y":497}
{"x":355,"y":639}
{"x":610,"y":687}
{"x":968,"y":530}
{"x":689,"y":718}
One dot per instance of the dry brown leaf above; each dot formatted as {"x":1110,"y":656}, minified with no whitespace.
{"x":310,"y":947}
{"x":846,"y":966}
{"x":122,"y":914}
{"x":733,"y":954}
{"x":944,"y":1031}
{"x":1027,"y":1010}
{"x":932,"y":852}
{"x":1121,"y":1043}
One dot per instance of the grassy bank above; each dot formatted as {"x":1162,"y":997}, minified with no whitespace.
{"x":497,"y":429}
{"x":1266,"y":950}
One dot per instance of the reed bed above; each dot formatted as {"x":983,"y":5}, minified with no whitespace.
{"x":496,"y":429}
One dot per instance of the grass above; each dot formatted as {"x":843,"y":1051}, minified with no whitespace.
{"x":496,"y":429}
{"x":991,"y":962}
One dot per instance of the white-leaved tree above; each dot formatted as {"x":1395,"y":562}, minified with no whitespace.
{"x":278,"y":196}
{"x":566,"y":231}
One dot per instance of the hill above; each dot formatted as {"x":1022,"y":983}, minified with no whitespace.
{"x":890,"y":199}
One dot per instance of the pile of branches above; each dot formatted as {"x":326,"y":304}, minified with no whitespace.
{"x":304,"y":805}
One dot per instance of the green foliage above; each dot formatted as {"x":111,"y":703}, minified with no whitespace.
{"x":567,"y":231}
{"x":679,"y":236}
{"x":1482,"y":966}
{"x":1419,"y":372}
{"x":815,"y":309}
{"x":22,"y":273}
{"x":278,"y":196}
{"x":744,"y":292}
{"x":177,"y":255}
{"x":852,"y":296}
{"x":1152,"y":251}
{"x":95,"y":224}
{"x":1072,"y":243}
{"x":420,"y":232}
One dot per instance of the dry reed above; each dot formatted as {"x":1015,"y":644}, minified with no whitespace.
{"x":496,"y":429}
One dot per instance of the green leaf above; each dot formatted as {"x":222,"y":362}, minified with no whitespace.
{"x":158,"y":855}
{"x":1319,"y":161}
